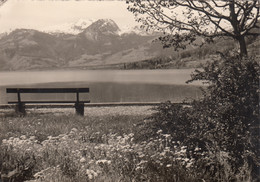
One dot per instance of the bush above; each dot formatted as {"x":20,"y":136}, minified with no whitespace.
{"x":225,"y":120}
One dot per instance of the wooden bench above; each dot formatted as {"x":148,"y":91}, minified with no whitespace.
{"x":20,"y":105}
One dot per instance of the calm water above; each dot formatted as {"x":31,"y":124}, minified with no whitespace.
{"x":106,"y":85}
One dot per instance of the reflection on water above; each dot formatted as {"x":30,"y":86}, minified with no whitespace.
{"x":106,"y":86}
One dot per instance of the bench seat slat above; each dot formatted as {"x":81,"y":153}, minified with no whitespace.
{"x":46,"y":90}
{"x":35,"y":102}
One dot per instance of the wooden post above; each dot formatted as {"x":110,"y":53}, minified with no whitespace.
{"x":79,"y":108}
{"x":20,"y":107}
{"x":77,"y":96}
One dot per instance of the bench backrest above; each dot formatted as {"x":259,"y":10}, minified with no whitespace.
{"x":47,"y":90}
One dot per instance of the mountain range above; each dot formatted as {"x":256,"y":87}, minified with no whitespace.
{"x":84,"y":44}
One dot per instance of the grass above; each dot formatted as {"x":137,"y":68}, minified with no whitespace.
{"x":41,"y":127}
{"x":45,"y":125}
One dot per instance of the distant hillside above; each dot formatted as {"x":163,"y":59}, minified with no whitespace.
{"x":100,"y":45}
{"x":194,"y":57}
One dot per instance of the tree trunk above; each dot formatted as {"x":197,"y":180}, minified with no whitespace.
{"x":242,"y":45}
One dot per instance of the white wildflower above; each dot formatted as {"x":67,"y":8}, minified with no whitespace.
{"x":159,"y":131}
{"x":186,"y":159}
{"x":11,"y":138}
{"x":16,"y":140}
{"x":167,"y":136}
{"x":21,"y":142}
{"x":32,"y":138}
{"x":197,"y":149}
{"x":74,"y":130}
{"x":137,"y":168}
{"x":90,"y":176}
{"x":82,"y":160}
{"x":4,"y":141}
{"x":189,"y":164}
{"x":95,"y":174}
{"x":23,"y":137}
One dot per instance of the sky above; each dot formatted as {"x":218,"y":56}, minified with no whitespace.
{"x":39,"y":14}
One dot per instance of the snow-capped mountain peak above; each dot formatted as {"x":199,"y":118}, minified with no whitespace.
{"x":104,"y":26}
{"x":100,"y":29}
{"x":100,"y":25}
{"x":70,"y":28}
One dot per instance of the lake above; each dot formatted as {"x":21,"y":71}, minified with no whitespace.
{"x":106,"y":85}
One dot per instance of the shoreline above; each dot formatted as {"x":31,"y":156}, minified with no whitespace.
{"x":89,"y":111}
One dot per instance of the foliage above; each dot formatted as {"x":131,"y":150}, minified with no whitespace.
{"x":225,"y":120}
{"x":16,"y":165}
{"x":232,"y":98}
{"x":183,"y":21}
{"x":232,"y":103}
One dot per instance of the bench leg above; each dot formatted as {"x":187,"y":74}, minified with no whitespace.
{"x":20,"y":108}
{"x":79,"y":108}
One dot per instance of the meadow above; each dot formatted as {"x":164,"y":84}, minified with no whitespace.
{"x":106,"y":145}
{"x":29,"y":141}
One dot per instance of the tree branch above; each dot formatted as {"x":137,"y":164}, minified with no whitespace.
{"x":246,"y":14}
{"x":192,"y":6}
{"x":2,"y":2}
{"x":201,"y":17}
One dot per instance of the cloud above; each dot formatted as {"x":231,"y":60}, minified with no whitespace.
{"x":38,"y":14}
